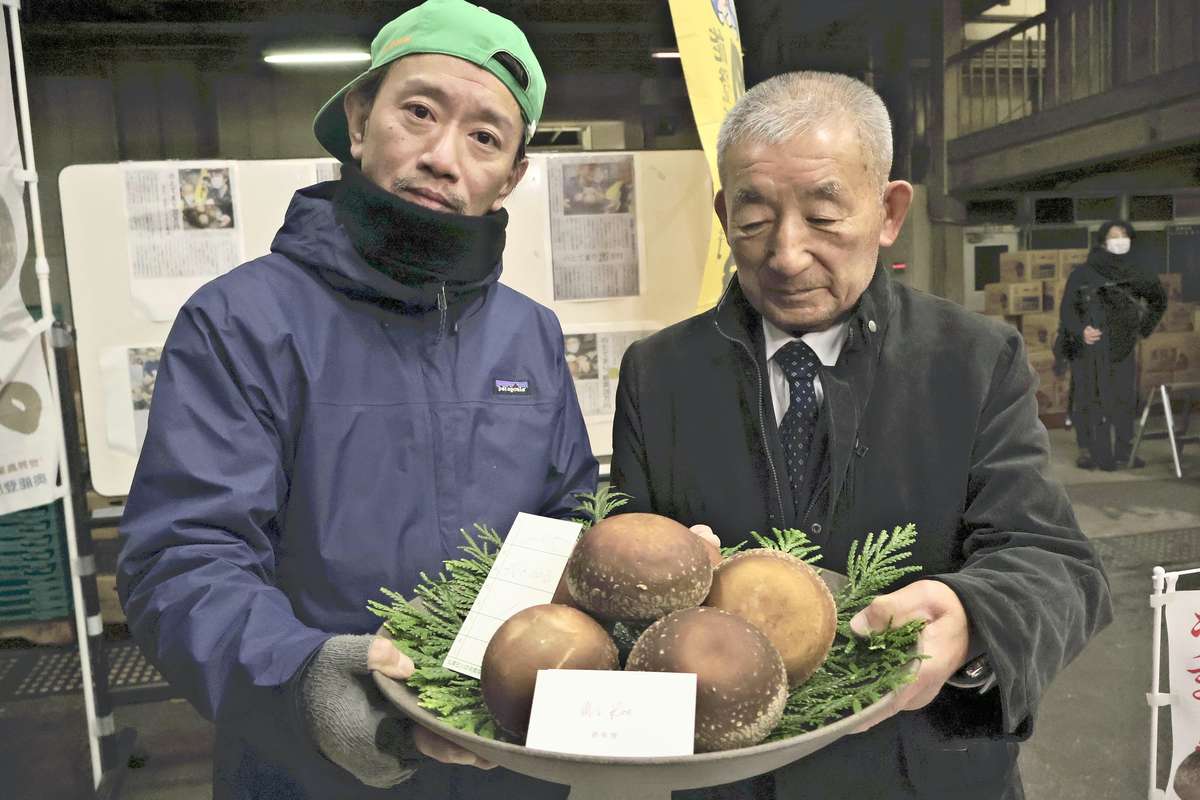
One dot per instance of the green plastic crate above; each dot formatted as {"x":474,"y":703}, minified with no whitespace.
{"x":34,"y":580}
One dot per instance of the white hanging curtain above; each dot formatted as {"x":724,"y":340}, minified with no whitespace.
{"x":28,"y":414}
{"x":1183,"y":665}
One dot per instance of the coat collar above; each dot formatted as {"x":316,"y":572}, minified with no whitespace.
{"x":735,"y":318}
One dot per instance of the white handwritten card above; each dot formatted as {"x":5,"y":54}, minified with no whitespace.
{"x":526,"y":573}
{"x":610,"y":713}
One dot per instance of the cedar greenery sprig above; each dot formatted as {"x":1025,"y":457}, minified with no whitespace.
{"x":425,"y":633}
{"x":857,"y":673}
{"x":596,"y":507}
{"x":875,"y":568}
{"x":792,"y":541}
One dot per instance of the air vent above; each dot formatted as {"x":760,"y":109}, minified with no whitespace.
{"x":996,"y":211}
{"x":1146,"y":207}
{"x":1098,"y":208}
{"x":558,"y":138}
{"x":1053,"y":210}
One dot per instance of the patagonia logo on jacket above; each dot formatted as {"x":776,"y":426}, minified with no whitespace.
{"x":513,"y":387}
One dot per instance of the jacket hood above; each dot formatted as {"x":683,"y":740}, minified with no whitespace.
{"x":312,"y":238}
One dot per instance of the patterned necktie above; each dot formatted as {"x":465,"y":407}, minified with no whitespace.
{"x":799,"y":363}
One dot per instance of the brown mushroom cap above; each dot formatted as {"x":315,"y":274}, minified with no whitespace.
{"x":786,"y":599}
{"x":638,"y":567}
{"x":540,"y":637}
{"x":741,"y":685}
{"x":562,"y":594}
{"x":1187,"y":777}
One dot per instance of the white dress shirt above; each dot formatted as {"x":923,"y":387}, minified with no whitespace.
{"x":827,"y":344}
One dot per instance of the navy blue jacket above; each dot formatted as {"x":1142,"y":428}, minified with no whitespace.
{"x":319,"y":431}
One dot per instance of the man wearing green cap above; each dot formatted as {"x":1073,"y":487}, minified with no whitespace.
{"x":329,"y":416}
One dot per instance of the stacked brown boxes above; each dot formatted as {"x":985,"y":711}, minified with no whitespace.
{"x":1070,"y":259}
{"x":1173,"y":284}
{"x":1172,"y":353}
{"x":1051,"y":389}
{"x":1038,"y":331}
{"x":1029,"y":295}
{"x":1052,"y":292}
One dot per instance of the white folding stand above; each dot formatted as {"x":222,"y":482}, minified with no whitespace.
{"x":1177,"y":437}
{"x":1164,"y":589}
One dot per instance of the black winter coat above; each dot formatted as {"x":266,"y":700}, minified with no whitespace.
{"x":931,"y":418}
{"x":1109,"y":292}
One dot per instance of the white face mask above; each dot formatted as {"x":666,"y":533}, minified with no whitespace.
{"x":1118,"y":247}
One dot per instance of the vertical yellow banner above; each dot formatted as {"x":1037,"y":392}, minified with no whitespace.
{"x":710,"y":50}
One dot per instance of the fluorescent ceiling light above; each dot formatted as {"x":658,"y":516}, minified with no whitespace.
{"x":318,"y":57}
{"x":664,"y":54}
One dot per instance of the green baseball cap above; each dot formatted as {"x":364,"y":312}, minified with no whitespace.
{"x":453,"y":28}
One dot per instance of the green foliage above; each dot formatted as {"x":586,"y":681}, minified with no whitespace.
{"x":425,"y":633}
{"x":857,"y":673}
{"x":875,"y":568}
{"x":792,"y":541}
{"x":596,"y":507}
{"x":726,"y":552}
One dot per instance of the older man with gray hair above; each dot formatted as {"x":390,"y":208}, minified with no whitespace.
{"x":835,"y":401}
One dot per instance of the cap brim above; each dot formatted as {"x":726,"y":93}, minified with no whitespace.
{"x":329,"y":126}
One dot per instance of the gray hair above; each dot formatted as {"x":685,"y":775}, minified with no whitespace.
{"x":791,"y":104}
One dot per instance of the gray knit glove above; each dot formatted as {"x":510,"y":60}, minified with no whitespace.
{"x":351,"y":721}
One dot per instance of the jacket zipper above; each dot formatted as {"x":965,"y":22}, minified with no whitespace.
{"x":441,"y":304}
{"x":762,"y":422}
{"x":813,"y":503}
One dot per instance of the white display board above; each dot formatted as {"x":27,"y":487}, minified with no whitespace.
{"x":117,"y":248}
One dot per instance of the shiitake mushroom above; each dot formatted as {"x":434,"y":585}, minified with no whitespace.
{"x":638,"y":567}
{"x":562,"y":594}
{"x":1187,"y":777}
{"x":546,"y":636}
{"x":741,"y":684}
{"x":783,"y":597}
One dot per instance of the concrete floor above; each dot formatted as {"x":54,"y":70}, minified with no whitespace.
{"x":1091,"y":740}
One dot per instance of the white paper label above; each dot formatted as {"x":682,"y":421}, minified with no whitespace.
{"x":525,"y":574}
{"x":612,"y":713}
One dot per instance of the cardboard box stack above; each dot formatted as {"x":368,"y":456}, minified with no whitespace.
{"x":1172,"y":353}
{"x":1044,"y":265}
{"x":1038,"y":331}
{"x":1052,"y":294}
{"x":1068,"y":260}
{"x":1029,"y":295}
{"x":1179,"y":317}
{"x":1173,"y":283}
{"x":1052,"y":390}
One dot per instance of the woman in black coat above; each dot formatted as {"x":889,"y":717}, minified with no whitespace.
{"x":1109,"y":303}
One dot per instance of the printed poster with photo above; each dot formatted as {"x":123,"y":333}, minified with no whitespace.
{"x":129,"y":374}
{"x":184,"y":229}
{"x":594,"y":249}
{"x":594,"y":360}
